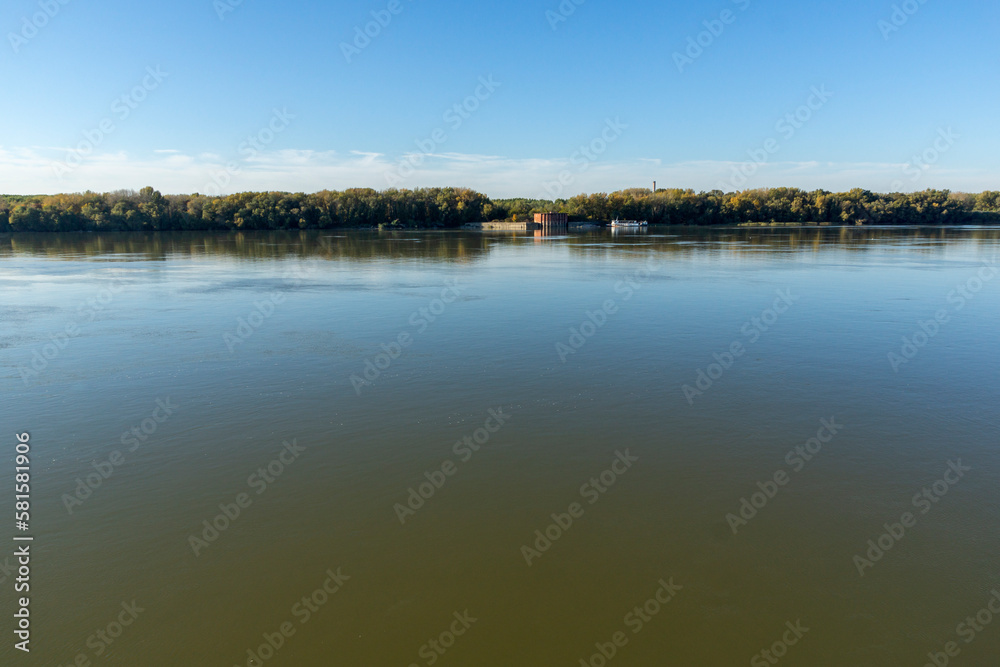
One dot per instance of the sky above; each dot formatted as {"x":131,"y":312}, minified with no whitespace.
{"x":532,"y":98}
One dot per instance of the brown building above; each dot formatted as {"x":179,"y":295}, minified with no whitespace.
{"x":552,"y":219}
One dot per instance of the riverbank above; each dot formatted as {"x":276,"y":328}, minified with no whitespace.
{"x":452,"y":208}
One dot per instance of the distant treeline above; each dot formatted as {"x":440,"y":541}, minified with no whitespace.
{"x":147,"y":210}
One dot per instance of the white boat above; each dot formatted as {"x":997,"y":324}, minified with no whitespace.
{"x":628,"y":223}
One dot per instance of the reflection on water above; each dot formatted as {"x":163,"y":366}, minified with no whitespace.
{"x":470,"y":246}
{"x":502,"y":449}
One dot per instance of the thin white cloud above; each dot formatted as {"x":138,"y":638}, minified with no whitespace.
{"x":369,"y":156}
{"x":30,"y":170}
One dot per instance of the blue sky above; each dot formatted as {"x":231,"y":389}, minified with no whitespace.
{"x":928,"y":89}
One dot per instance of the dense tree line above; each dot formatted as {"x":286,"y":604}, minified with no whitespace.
{"x":127,"y":210}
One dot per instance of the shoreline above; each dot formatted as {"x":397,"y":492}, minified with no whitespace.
{"x":494,"y":227}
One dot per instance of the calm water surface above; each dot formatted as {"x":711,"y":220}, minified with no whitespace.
{"x":530,"y":371}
